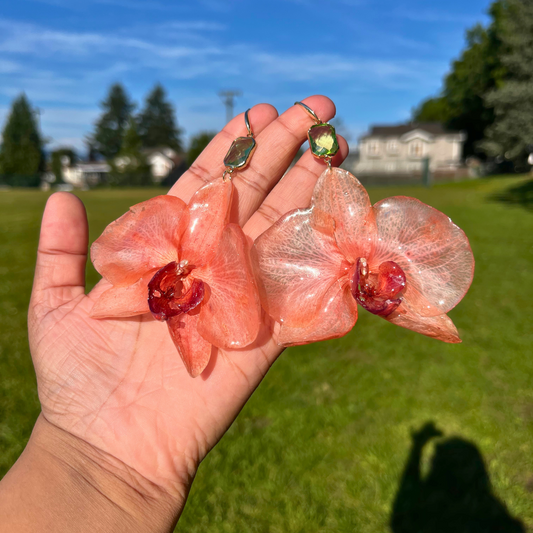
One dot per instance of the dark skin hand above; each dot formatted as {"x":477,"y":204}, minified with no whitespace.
{"x":123,"y":427}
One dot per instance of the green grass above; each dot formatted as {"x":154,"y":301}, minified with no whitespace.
{"x":324,"y":441}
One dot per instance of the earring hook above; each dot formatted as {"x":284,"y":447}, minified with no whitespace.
{"x":310,"y":111}
{"x":247,"y":122}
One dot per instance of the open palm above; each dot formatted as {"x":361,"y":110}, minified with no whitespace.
{"x":119,"y":384}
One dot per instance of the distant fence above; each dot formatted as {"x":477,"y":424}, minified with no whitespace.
{"x":402,"y":172}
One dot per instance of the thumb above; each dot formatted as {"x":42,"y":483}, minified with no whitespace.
{"x":62,"y":254}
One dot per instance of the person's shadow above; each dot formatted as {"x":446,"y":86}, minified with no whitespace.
{"x":454,"y":497}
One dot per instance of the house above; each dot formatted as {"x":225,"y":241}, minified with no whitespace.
{"x":82,"y":175}
{"x":163,"y":161}
{"x":402,"y":149}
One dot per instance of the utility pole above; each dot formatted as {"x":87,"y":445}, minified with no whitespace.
{"x":38,"y":111}
{"x":228,"y":99}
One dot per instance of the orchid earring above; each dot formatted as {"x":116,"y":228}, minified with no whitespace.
{"x":399,"y":259}
{"x":187,"y":265}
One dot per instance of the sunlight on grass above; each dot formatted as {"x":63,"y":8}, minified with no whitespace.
{"x":324,"y":441}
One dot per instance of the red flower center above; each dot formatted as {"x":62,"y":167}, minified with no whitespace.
{"x":378,"y":292}
{"x":172,"y":292}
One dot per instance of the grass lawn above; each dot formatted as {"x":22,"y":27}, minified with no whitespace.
{"x":325,"y":444}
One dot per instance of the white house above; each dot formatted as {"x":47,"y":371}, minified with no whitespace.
{"x":82,"y":175}
{"x":402,"y":148}
{"x":161,"y":160}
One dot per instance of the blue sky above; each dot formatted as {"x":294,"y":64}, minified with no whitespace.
{"x":375,"y":58}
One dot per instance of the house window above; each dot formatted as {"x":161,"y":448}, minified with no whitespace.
{"x":416,"y":149}
{"x":392,"y":147}
{"x":373,"y":148}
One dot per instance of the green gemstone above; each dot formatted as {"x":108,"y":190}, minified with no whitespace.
{"x":323,"y":140}
{"x":239,"y":153}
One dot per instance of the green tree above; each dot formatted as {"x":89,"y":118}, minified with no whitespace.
{"x":432,"y":110}
{"x":512,"y":102}
{"x":110,"y":127}
{"x":197,"y":145}
{"x":57,"y":163}
{"x":157,"y":122}
{"x":461,"y":104}
{"x":130,"y":166}
{"x":21,"y":153}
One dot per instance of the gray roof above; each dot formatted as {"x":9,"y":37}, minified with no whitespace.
{"x":434,"y":128}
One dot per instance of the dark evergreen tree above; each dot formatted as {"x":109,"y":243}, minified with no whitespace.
{"x":130,"y":166}
{"x":511,"y":135}
{"x":22,"y":148}
{"x":197,"y":145}
{"x":110,"y":127}
{"x":157,"y":122}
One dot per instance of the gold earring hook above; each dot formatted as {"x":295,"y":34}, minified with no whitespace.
{"x":310,"y":111}
{"x":247,"y":122}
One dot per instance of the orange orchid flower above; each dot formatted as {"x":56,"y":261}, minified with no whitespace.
{"x":399,"y":259}
{"x":187,"y":266}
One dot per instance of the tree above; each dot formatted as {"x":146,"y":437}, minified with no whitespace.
{"x":157,"y":122}
{"x":57,"y":161}
{"x":432,"y":110}
{"x":22,"y":149}
{"x":512,"y":102}
{"x":111,"y":126}
{"x":130,"y":167}
{"x":197,"y":145}
{"x":461,"y":104}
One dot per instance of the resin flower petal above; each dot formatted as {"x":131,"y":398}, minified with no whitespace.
{"x":439,"y":327}
{"x":339,"y":194}
{"x":336,"y":316}
{"x":298,"y":261}
{"x":433,"y":252}
{"x":231,"y":314}
{"x":194,"y":350}
{"x":208,"y":216}
{"x":124,"y":301}
{"x":145,"y":238}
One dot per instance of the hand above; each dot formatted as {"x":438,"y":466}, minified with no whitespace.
{"x":119,"y":385}
{"x":427,"y":432}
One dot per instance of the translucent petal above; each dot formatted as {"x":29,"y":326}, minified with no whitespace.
{"x":336,"y":316}
{"x":208,"y":215}
{"x":339,"y":193}
{"x":194,"y":350}
{"x":297,"y":261}
{"x":230,"y":315}
{"x":433,"y":252}
{"x":123,"y":301}
{"x":145,"y":238}
{"x":439,"y":327}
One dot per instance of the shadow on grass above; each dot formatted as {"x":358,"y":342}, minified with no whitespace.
{"x":454,"y":497}
{"x":518,"y":195}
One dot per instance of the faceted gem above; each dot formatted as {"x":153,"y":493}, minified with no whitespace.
{"x":240,"y":152}
{"x":323,"y":140}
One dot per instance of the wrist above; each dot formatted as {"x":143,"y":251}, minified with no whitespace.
{"x":62,"y":483}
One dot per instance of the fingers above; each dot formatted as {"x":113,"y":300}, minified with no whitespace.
{"x":62,"y":253}
{"x":294,"y":191}
{"x":277,"y":145}
{"x":278,"y":140}
{"x":210,"y":163}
